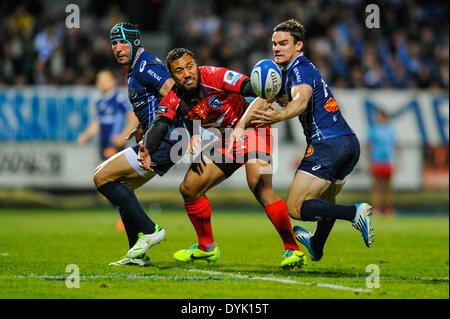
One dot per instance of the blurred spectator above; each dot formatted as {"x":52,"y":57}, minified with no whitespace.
{"x":382,"y":150}
{"x":115,"y":118}
{"x":410,"y":50}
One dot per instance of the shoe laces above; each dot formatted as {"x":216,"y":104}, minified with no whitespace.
{"x":140,"y":235}
{"x":195,"y":246}
{"x":288,"y":253}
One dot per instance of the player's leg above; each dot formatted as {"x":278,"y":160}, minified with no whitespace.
{"x":116,"y":179}
{"x":375,"y":192}
{"x":306,"y":187}
{"x":275,"y":207}
{"x":388,"y":204}
{"x":199,"y":179}
{"x":255,"y":149}
{"x":260,"y":183}
{"x":324,"y":227}
{"x":338,"y":158}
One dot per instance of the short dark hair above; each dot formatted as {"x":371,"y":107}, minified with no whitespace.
{"x":295,"y":29}
{"x":177,"y":53}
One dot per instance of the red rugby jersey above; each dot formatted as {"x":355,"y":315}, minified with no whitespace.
{"x":218,"y":103}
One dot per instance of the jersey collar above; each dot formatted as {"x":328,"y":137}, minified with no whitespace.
{"x":293,"y":61}
{"x":137,"y":58}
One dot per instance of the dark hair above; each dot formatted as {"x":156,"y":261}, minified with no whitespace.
{"x":177,"y":53}
{"x":295,"y":29}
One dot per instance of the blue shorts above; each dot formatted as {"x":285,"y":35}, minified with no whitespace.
{"x":161,"y":159}
{"x":331,"y":159}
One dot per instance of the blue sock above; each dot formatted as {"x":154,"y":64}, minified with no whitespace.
{"x":321,"y":234}
{"x":130,"y":228}
{"x":133,"y":215}
{"x":317,"y":209}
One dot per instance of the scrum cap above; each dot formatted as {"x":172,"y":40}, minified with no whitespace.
{"x":127,"y":32}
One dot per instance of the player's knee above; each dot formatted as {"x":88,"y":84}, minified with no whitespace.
{"x":189,"y":194}
{"x":100,"y":178}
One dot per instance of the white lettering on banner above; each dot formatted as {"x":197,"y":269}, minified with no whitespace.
{"x":42,"y":114}
{"x":46,"y":122}
{"x":47,"y":164}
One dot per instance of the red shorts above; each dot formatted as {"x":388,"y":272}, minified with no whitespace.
{"x":382,"y":170}
{"x":255,"y":143}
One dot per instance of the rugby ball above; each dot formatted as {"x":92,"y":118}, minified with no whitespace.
{"x":266,"y":79}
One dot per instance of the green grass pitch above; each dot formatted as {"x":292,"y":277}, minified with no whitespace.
{"x":411,"y":254}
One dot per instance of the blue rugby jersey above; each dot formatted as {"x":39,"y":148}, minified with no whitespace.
{"x":382,"y":139}
{"x":322,"y":119}
{"x":111,"y":110}
{"x":145,"y":78}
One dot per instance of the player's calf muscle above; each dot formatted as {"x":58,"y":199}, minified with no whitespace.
{"x":263,"y":191}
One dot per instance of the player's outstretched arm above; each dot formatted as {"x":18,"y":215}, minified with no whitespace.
{"x":300,"y":98}
{"x":138,"y":133}
{"x":245,"y":120}
{"x":132,"y":123}
{"x":91,"y":130}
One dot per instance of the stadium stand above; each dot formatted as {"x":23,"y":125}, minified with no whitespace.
{"x":411,"y":52}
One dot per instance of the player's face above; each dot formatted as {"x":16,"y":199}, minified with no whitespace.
{"x":185,"y":73}
{"x":284,"y":48}
{"x":122,"y":51}
{"x":105,"y":81}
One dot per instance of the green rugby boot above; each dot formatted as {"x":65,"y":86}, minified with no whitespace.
{"x":194,"y":253}
{"x":293,"y":258}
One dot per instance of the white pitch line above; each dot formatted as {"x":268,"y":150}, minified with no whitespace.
{"x":282,"y":280}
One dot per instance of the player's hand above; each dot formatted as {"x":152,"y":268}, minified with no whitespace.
{"x":109,"y":151}
{"x":266,"y":117}
{"x":194,"y":145}
{"x":235,"y":136}
{"x":119,"y":140}
{"x":82,"y":139}
{"x":138,"y":133}
{"x":144,"y":158}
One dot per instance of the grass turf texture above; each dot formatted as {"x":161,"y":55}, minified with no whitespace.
{"x":37,"y":245}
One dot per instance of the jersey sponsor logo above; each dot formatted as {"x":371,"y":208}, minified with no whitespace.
{"x":138,"y":104}
{"x":331,"y":105}
{"x":198,"y":111}
{"x":153,"y":74}
{"x":162,"y":110}
{"x":309,"y":151}
{"x":298,"y":78}
{"x":215,"y":103}
{"x":132,"y":93}
{"x":231,"y":77}
{"x":316,"y":167}
{"x":142,"y":66}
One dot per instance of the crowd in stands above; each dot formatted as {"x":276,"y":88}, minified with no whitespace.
{"x":409,"y":50}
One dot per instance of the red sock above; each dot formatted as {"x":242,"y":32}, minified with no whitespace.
{"x":279,"y":217}
{"x":199,"y":213}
